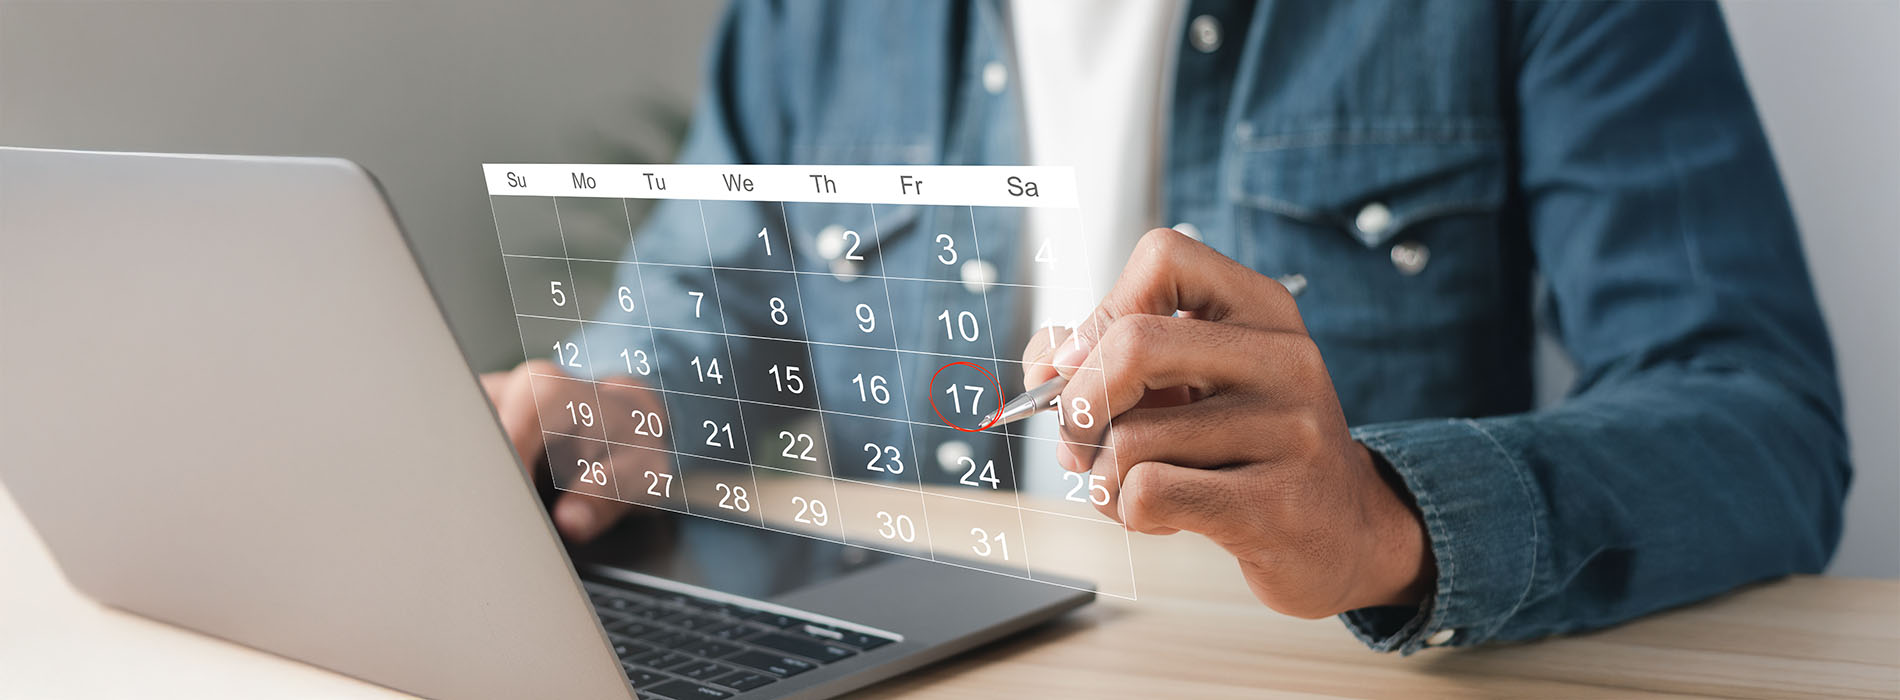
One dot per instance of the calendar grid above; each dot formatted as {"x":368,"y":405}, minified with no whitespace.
{"x":795,"y":472}
{"x":633,"y":250}
{"x":906,"y":351}
{"x":613,"y":473}
{"x":729,"y":268}
{"x":719,"y":302}
{"x":958,"y":522}
{"x":756,"y":402}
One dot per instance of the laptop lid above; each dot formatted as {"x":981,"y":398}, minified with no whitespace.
{"x":231,"y":403}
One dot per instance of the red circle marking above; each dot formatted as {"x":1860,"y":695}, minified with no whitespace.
{"x":994,"y":416}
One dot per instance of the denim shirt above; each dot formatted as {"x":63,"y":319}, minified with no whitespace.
{"x":1423,"y":164}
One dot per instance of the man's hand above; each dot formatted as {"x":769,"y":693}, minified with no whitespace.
{"x":579,"y":517}
{"x":1226,"y":424}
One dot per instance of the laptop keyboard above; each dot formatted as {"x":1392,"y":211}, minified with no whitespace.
{"x":678,"y":647}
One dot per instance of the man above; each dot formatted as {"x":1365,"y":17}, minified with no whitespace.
{"x":1371,"y":450}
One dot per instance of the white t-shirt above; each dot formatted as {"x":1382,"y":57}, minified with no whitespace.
{"x":1093,"y":75}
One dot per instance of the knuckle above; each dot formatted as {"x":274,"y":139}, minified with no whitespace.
{"x":1140,"y":498}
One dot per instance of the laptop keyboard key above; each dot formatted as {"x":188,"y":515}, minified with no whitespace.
{"x":703,"y":671}
{"x":775,"y":664}
{"x":687,"y":690}
{"x":629,"y":627}
{"x":776,"y":619}
{"x":711,"y":649}
{"x":642,"y":677}
{"x":744,"y":680}
{"x":662,"y":659}
{"x":626,"y":648}
{"x":804,"y":646}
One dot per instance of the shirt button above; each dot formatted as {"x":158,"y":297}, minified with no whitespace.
{"x":1373,"y":219}
{"x":1204,"y":34}
{"x":977,"y":275}
{"x":995,"y":77}
{"x":831,"y":242}
{"x":1189,"y":230}
{"x":951,"y":453}
{"x":1410,"y":257}
{"x":1441,"y":637}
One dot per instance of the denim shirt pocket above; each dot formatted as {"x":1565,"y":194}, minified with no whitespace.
{"x":1398,"y":233}
{"x":1332,"y":181}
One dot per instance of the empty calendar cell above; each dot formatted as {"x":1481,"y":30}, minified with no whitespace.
{"x":1072,"y":550}
{"x":594,"y":228}
{"x":527,"y":226}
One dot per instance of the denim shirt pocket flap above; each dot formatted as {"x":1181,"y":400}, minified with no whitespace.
{"x":1373,"y":191}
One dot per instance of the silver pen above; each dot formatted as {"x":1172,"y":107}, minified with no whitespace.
{"x":1038,"y":399}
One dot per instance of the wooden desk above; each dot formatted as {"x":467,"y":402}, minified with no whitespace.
{"x":1195,"y":632}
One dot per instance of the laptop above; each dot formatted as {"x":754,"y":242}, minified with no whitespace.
{"x":232,"y":403}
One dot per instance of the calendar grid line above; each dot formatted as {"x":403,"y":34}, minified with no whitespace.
{"x":818,"y":273}
{"x":975,"y":358}
{"x":817,"y":395}
{"x":721,"y":303}
{"x":1108,"y":433}
{"x":756,"y":402}
{"x":902,"y":384}
{"x":613,"y":473}
{"x":814,"y":475}
{"x":532,"y":393}
{"x":633,"y":250}
{"x":896,"y":552}
{"x":1016,"y":474}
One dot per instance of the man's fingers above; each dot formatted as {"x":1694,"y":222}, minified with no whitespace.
{"x":1191,"y":435}
{"x":1170,"y":273}
{"x":512,"y":393}
{"x":1158,"y":498}
{"x":1141,"y":355}
{"x":1037,"y":365}
{"x":581,"y":517}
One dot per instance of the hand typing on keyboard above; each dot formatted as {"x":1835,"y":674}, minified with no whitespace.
{"x":1226,"y":424}
{"x":534,"y":400}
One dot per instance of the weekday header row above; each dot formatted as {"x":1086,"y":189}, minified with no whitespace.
{"x":964,"y":185}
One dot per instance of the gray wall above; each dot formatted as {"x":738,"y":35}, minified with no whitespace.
{"x":1826,"y":77}
{"x":423,"y":92}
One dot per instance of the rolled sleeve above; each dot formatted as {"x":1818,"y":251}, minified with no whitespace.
{"x":1481,"y":513}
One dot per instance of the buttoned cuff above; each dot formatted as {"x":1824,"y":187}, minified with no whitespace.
{"x":1480,"y":508}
